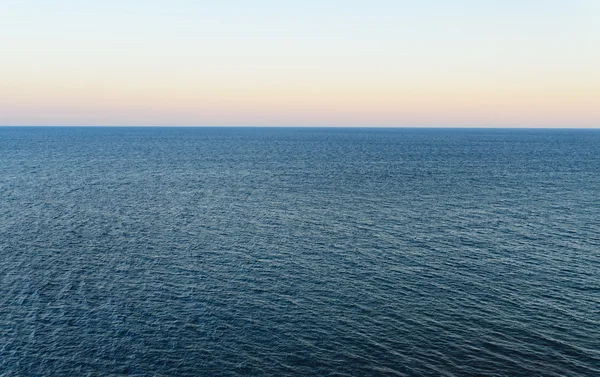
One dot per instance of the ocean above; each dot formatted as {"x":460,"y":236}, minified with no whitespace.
{"x":299,"y":251}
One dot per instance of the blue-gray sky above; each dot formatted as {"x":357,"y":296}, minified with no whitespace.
{"x":335,"y":63}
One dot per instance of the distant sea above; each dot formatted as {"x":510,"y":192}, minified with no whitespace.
{"x":290,"y":251}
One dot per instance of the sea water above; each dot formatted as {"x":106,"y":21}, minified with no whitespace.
{"x":290,"y":251}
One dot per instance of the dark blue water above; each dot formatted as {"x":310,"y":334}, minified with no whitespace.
{"x":321,"y":252}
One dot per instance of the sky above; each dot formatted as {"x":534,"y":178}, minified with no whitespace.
{"x":380,"y":63}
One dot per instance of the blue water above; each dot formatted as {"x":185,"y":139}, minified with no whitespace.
{"x":317,"y":252}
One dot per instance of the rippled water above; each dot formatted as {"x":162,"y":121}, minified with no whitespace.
{"x":199,"y":251}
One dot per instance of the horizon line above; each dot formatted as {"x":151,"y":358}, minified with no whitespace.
{"x":302,"y":126}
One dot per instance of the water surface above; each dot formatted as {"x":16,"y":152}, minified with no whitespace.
{"x":331,"y":252}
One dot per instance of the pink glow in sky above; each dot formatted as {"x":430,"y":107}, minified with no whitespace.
{"x":300,"y":63}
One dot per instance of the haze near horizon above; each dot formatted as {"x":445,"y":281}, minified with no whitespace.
{"x":300,"y":63}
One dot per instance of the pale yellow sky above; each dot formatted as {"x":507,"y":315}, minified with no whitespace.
{"x":352,"y":63}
